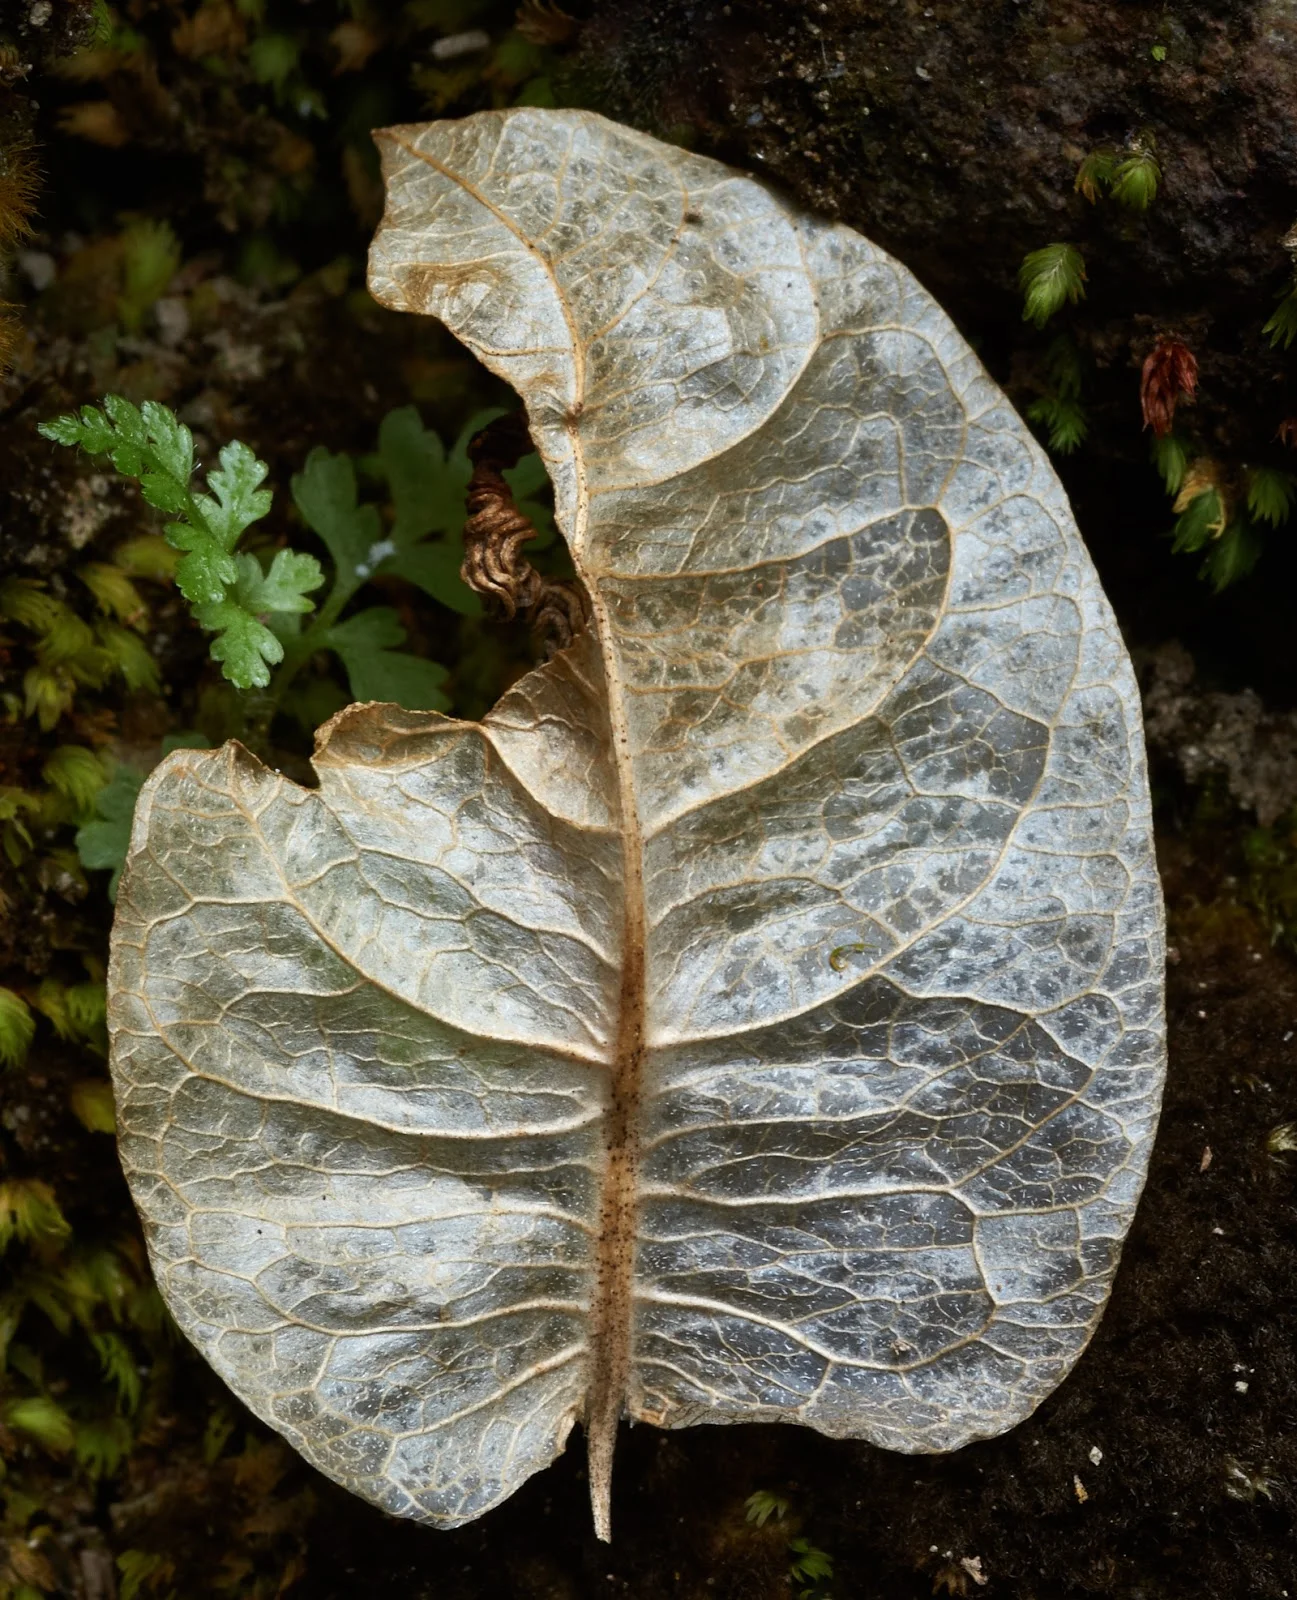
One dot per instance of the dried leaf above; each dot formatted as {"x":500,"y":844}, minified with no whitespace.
{"x":355,"y":42}
{"x":508,"y":1079}
{"x":1204,"y":476}
{"x":96,"y":120}
{"x":1170,"y":374}
{"x":30,"y":1566}
{"x":545,"y":23}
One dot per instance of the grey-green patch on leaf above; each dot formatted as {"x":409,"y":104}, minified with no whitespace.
{"x":508,"y":1080}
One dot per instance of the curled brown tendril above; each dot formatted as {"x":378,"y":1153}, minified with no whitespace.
{"x":494,"y":564}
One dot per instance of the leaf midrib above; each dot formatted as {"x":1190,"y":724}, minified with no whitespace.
{"x":615,"y":1233}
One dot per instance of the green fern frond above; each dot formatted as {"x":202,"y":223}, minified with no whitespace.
{"x":1135,"y":181}
{"x":1201,"y":521}
{"x":1270,"y":495}
{"x":114,"y":591}
{"x":1095,"y":173}
{"x":1049,"y":279}
{"x":76,"y":1010}
{"x":119,"y":1369}
{"x":30,"y":1214}
{"x":102,"y":1446}
{"x":130,"y":656}
{"x":758,"y":1508}
{"x":150,"y":259}
{"x":1065,"y":420}
{"x":48,"y":694}
{"x":17,"y":1028}
{"x":142,"y":1571}
{"x":1063,"y":367}
{"x":1171,"y":458}
{"x":24,"y":601}
{"x":43,"y":1421}
{"x":809,"y":1565}
{"x":87,"y":1006}
{"x":91,"y":1100}
{"x":76,"y":773}
{"x":231,"y":594}
{"x":147,"y":556}
{"x":105,"y":1279}
{"x":1233,"y":556}
{"x":67,"y":637}
{"x":1281,"y":329}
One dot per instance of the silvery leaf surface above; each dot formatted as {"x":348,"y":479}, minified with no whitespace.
{"x":758,"y":1016}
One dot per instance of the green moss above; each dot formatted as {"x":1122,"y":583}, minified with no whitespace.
{"x":17,"y":1028}
{"x":42,"y":1420}
{"x":150,"y":259}
{"x":1281,"y":328}
{"x":30,"y":1214}
{"x":1271,"y":857}
{"x":1095,"y":173}
{"x":1270,"y":495}
{"x":76,"y":772}
{"x":1135,"y":180}
{"x":1202,"y":520}
{"x":1171,"y":458}
{"x":1050,"y":279}
{"x":92,"y":1103}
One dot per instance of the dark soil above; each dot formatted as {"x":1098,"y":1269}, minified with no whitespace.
{"x":1165,"y":1467}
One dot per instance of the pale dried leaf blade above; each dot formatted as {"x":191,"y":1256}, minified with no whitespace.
{"x":759,"y":1015}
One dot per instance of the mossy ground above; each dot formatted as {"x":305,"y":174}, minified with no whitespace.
{"x":1165,"y":1467}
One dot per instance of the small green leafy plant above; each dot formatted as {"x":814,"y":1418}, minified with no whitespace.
{"x":810,"y":1569}
{"x":253,"y":603}
{"x":1281,"y":1141}
{"x":1135,"y":179}
{"x":1271,"y":887}
{"x":1207,"y":522}
{"x":1281,"y":328}
{"x":71,"y":653}
{"x":1095,"y":173}
{"x":1130,"y":176}
{"x":17,"y":1028}
{"x":762,"y":1505}
{"x":258,"y":605}
{"x":1050,"y":279}
{"x":1220,"y":512}
{"x":1059,"y":410}
{"x":228,"y":591}
{"x":1270,"y":495}
{"x":1171,"y":458}
{"x":150,"y":259}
